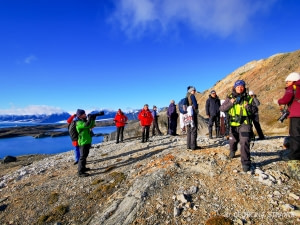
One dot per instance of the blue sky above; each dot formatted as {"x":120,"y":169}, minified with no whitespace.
{"x":59,"y":55}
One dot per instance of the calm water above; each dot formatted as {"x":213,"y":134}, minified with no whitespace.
{"x":29,"y":145}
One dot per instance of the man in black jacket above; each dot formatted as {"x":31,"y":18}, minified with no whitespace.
{"x":213,"y":112}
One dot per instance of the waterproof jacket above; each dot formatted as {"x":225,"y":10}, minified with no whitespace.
{"x":120,"y":119}
{"x":292,"y":99}
{"x":145,"y":116}
{"x":212,"y":106}
{"x":172,"y":111}
{"x":239,"y":112}
{"x":83,"y":128}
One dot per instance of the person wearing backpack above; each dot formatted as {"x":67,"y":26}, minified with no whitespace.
{"x":120,"y":120}
{"x":291,"y":98}
{"x":74,"y":136}
{"x":83,"y":127}
{"x":172,"y":118}
{"x":146,"y":118}
{"x":212,"y":108}
{"x":155,"y":122}
{"x":192,"y":127}
{"x":240,"y":108}
{"x":256,"y":123}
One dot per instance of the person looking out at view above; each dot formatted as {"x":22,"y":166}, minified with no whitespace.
{"x":74,"y":136}
{"x":146,"y":118}
{"x":83,"y":127}
{"x":120,"y":120}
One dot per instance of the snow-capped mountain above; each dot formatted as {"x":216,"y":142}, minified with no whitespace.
{"x":60,"y":117}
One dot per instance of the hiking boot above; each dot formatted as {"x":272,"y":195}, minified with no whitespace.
{"x":231,"y":154}
{"x":246,"y":168}
{"x":83,"y":174}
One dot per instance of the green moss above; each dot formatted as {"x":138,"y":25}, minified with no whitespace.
{"x":53,"y":198}
{"x":105,"y":190}
{"x":98,"y":181}
{"x":55,"y":215}
{"x":218,"y":220}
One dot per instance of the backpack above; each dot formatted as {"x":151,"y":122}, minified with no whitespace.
{"x":182,"y":105}
{"x":296,"y":93}
{"x":72,"y":131}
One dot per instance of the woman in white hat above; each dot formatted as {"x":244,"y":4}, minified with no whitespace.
{"x":291,"y":98}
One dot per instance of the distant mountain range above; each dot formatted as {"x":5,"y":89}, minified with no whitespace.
{"x":59,"y":117}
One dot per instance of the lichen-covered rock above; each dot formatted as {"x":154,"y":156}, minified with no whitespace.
{"x":294,"y":169}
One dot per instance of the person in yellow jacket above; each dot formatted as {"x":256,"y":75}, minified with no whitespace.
{"x":240,"y":108}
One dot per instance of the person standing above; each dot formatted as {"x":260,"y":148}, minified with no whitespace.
{"x":172,"y":118}
{"x":192,"y":130}
{"x":83,"y":127}
{"x":240,"y":109}
{"x":74,"y":136}
{"x":212,"y":108}
{"x":291,"y":98}
{"x":120,"y":120}
{"x":155,"y":122}
{"x":146,"y":118}
{"x":255,"y":118}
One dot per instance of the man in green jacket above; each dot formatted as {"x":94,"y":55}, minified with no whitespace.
{"x":83,"y":127}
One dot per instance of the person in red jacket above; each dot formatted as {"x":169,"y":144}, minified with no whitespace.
{"x":120,"y":120}
{"x":146,"y":118}
{"x":291,"y":98}
{"x":74,"y":140}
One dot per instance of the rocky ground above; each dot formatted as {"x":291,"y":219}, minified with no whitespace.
{"x":159,"y":182}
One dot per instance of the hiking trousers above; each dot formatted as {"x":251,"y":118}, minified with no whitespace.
{"x":84,"y":152}
{"x":120,"y":131}
{"x":191,"y":134}
{"x":155,"y":127}
{"x":294,"y":131}
{"x":242,"y":135}
{"x":258,"y":127}
{"x":145,"y":133}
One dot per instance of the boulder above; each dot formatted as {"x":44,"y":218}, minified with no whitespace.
{"x":294,"y":169}
{"x":8,"y":159}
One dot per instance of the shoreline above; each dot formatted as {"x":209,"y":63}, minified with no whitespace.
{"x":40,"y":131}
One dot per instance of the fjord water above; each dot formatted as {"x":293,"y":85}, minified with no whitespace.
{"x":28,"y":145}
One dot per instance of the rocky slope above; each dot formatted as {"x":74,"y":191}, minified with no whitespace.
{"x":159,"y":182}
{"x":266,"y":77}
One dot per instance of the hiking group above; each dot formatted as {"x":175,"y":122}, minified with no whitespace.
{"x":232,"y":118}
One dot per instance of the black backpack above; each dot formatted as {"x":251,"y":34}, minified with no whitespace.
{"x":182,"y":105}
{"x":72,"y":131}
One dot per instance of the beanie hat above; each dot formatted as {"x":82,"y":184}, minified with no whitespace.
{"x":213,"y":91}
{"x":80,"y":112}
{"x":239,"y":83}
{"x":293,"y":77}
{"x":191,"y":89}
{"x":251,"y":93}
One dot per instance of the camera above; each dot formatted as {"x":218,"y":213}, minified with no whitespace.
{"x":284,"y":114}
{"x":93,"y":116}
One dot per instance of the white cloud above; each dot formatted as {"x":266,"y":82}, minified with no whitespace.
{"x":30,"y":59}
{"x":220,"y":17}
{"x":31,"y":110}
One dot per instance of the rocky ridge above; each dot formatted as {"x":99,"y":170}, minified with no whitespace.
{"x":158,"y":182}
